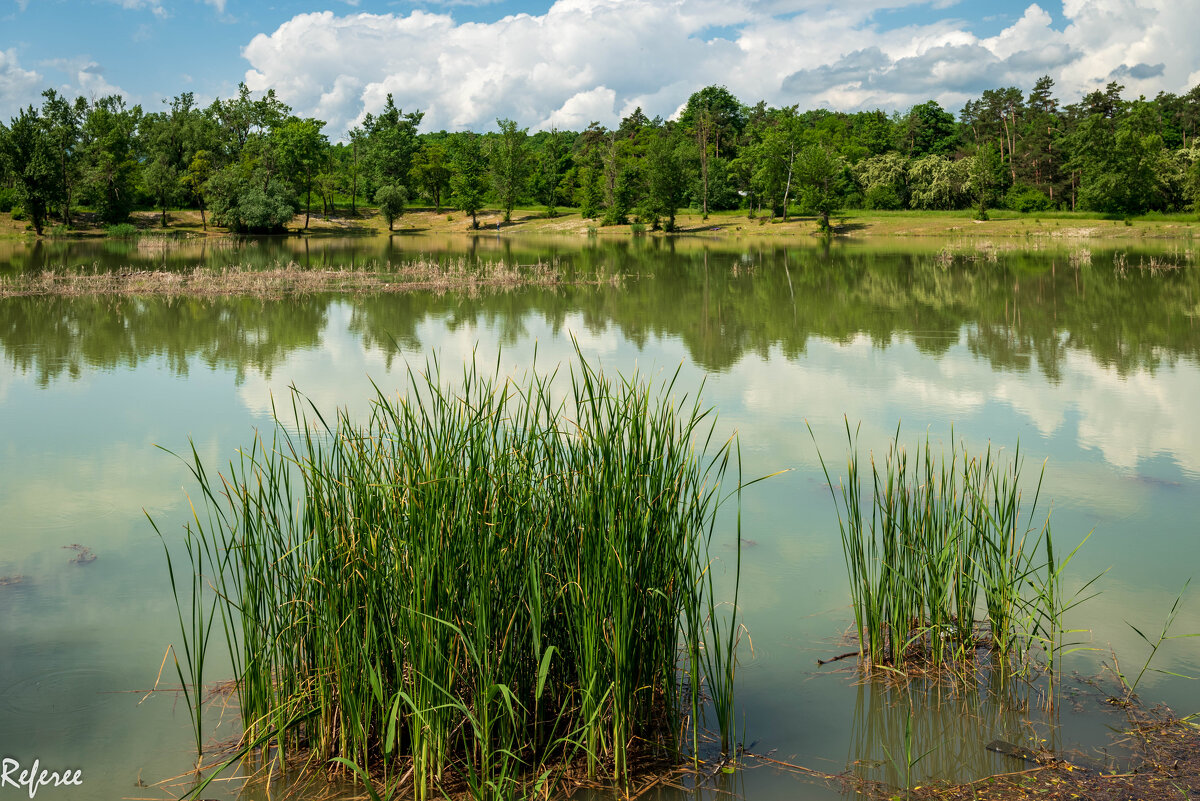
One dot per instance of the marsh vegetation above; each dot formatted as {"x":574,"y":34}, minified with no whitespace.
{"x":438,"y":275}
{"x":946,"y":555}
{"x":481,"y":586}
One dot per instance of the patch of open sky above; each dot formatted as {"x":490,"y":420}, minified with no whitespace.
{"x":104,"y":46}
{"x":984,"y":19}
{"x":727,"y":32}
{"x":26,"y":31}
{"x":461,"y":10}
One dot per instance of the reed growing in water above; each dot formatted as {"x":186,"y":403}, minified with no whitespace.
{"x":946,"y":555}
{"x":478,"y":585}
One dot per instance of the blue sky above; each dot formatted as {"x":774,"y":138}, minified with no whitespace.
{"x":565,"y":63}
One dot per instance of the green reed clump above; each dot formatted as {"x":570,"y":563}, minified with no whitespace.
{"x":480,"y":584}
{"x":946,"y":555}
{"x":122,"y":231}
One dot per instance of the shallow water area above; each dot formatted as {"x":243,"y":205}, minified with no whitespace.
{"x":1087,"y":354}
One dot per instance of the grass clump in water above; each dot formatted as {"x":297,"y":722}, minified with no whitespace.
{"x":476,"y":588}
{"x":121,"y":231}
{"x":946,"y":556}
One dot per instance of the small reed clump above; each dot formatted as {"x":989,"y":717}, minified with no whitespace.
{"x":479,"y":587}
{"x":944,"y":558}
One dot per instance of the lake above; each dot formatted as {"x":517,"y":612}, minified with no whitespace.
{"x":1087,"y":354}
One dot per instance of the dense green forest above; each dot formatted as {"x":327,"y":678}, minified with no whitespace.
{"x":249,"y":164}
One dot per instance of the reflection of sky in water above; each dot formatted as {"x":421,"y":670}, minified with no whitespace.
{"x":1128,"y":420}
{"x":1097,"y":430}
{"x":78,"y":463}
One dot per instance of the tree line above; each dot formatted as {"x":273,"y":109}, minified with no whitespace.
{"x":249,"y":164}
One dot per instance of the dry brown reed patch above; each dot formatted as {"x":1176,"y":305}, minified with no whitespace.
{"x":1075,"y":233}
{"x":293,"y":279}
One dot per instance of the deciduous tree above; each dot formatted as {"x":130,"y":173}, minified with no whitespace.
{"x":431,"y":172}
{"x":982,"y":177}
{"x":302,"y":153}
{"x":195,"y":181}
{"x":553,"y":160}
{"x":821,"y":174}
{"x":30,"y":157}
{"x":390,"y":143}
{"x":391,"y":200}
{"x":713,"y":116}
{"x":928,"y":129}
{"x":62,"y":120}
{"x":666,"y":179}
{"x":509,"y":159}
{"x":109,"y":157}
{"x":468,"y":181}
{"x":884,"y":181}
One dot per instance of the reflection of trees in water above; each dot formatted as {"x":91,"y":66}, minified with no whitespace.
{"x":1017,"y":310}
{"x":58,"y":336}
{"x":1015,"y":314}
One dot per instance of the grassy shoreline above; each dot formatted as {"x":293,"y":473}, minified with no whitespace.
{"x":533,"y":220}
{"x":178,"y":266}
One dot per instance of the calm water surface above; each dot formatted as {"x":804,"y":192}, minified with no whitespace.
{"x":1086,"y":354}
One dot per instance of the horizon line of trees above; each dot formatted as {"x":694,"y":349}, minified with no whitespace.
{"x":250,"y":164}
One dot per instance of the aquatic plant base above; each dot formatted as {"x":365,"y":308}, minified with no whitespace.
{"x":262,"y":775}
{"x":1165,"y":767}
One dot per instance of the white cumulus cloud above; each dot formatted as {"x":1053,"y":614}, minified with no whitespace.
{"x":598,"y":59}
{"x":85,"y":78}
{"x":18,"y":87}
